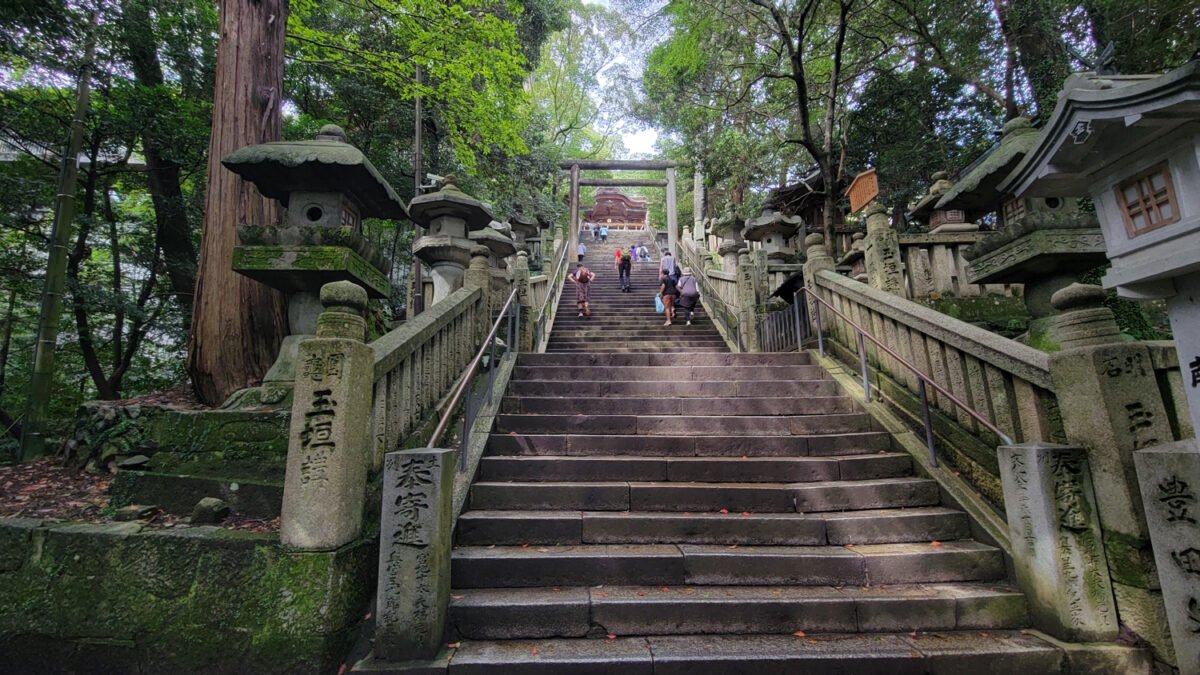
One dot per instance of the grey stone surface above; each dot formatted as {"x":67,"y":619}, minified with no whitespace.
{"x":640,"y":610}
{"x":1056,"y":540}
{"x":756,"y":565}
{"x":703,"y":528}
{"x":1170,"y":477}
{"x":926,"y":563}
{"x":628,"y":656}
{"x":210,"y":510}
{"x":515,"y":566}
{"x":879,"y":493}
{"x":886,"y":526}
{"x":330,"y":444}
{"x":785,"y":655}
{"x":414,"y":552}
{"x":519,"y":527}
{"x":598,"y":496}
{"x":503,"y":614}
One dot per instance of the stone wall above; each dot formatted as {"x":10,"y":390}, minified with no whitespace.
{"x":118,"y":598}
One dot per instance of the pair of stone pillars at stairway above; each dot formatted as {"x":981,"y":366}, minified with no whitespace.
{"x":329,"y":466}
{"x":1077,"y":525}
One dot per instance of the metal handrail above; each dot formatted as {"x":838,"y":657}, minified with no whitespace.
{"x":552,"y":295}
{"x":464,"y":382}
{"x":721,"y":315}
{"x":922,"y":378}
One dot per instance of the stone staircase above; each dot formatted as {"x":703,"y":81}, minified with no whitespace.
{"x":625,"y":322}
{"x":649,"y":504}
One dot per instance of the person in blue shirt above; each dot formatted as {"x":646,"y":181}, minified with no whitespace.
{"x":603,"y":233}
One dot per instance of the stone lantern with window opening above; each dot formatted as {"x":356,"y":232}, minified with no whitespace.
{"x":728,"y":226}
{"x":1043,"y":242}
{"x":775,"y":233}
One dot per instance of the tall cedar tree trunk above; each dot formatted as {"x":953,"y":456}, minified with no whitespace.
{"x":237,"y":323}
{"x":162,"y":173}
{"x":1040,"y":50}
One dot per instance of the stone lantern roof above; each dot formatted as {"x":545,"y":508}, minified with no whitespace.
{"x":500,"y":245}
{"x":771,"y":222}
{"x":978,"y":189}
{"x":326,"y":164}
{"x":524,"y":225}
{"x":450,"y":201}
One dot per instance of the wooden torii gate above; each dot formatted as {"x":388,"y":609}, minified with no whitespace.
{"x":668,"y":166}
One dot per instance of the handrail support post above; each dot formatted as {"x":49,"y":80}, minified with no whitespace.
{"x":862,"y":359}
{"x":928,"y":426}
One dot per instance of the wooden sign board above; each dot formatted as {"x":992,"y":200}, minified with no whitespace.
{"x":862,"y":190}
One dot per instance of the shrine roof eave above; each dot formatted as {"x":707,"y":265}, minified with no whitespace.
{"x":1094,"y":128}
{"x":978,"y":189}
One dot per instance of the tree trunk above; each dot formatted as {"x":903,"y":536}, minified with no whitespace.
{"x":162,"y":174}
{"x":237,"y":323}
{"x":1040,"y":50}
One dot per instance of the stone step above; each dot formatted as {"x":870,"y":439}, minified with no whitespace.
{"x":629,"y":334}
{"x":815,"y":445}
{"x":680,"y":371}
{"x":876,"y":526}
{"x":989,"y":653}
{"x":693,"y":469}
{"x":681,"y":341}
{"x":653,"y":359}
{"x":685,"y":425}
{"x":838,"y":495}
{"x":590,"y":389}
{"x":697,"y":564}
{"x":674,"y":405}
{"x":665,"y":347}
{"x":525,"y":613}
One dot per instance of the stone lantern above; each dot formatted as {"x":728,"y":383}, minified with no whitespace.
{"x":774,"y":232}
{"x":1043,"y":242}
{"x":449,"y":216}
{"x":327,"y":187}
{"x":500,"y":246}
{"x":524,"y":230}
{"x":729,"y":228}
{"x":937,"y":219}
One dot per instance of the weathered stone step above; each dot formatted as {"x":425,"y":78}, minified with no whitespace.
{"x":661,"y":564}
{"x":878,"y":526}
{"x":693,"y":469}
{"x":680,"y":371}
{"x":879,"y":493}
{"x":665,"y":347}
{"x":991,"y":653}
{"x":653,"y":359}
{"x":682,"y":342}
{"x":815,"y":445}
{"x":633,"y":405}
{"x":525,"y":613}
{"x":596,"y":389}
{"x":685,"y":425}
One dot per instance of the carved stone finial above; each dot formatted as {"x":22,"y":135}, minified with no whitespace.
{"x":1077,"y":296}
{"x":332,"y":132}
{"x":479,"y":251}
{"x":344,"y":302}
{"x":1082,"y":318}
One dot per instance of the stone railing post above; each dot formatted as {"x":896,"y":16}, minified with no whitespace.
{"x":881,"y":252}
{"x":1056,"y":542}
{"x":520,"y":276}
{"x":1109,"y":399}
{"x":816,"y":260}
{"x":414,"y":553}
{"x":747,"y":303}
{"x":479,"y":275}
{"x":330,"y":437}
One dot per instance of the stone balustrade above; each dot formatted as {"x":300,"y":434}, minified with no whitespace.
{"x":934,"y":266}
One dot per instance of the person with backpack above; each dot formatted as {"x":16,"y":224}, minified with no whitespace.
{"x":624,"y":267}
{"x":689,"y":293}
{"x":582,"y":278}
{"x":604,"y":233}
{"x":643,"y":254}
{"x":668,"y":291}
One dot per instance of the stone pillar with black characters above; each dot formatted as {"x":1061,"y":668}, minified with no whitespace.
{"x":1057,"y":551}
{"x":747,"y":303}
{"x":330,"y":436}
{"x":881,"y":250}
{"x":414,"y":553}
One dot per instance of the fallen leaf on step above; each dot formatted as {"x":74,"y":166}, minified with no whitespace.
{"x":641,"y":594}
{"x":745,"y":457}
{"x":983,"y":634}
{"x":534,"y":651}
{"x":524,"y":545}
{"x":602,"y":594}
{"x":935,"y":543}
{"x":342,"y":670}
{"x":453,"y":645}
{"x":745,"y":513}
{"x":611,"y":636}
{"x":556,"y":589}
{"x":799,"y":633}
{"x":456,"y":597}
{"x":732,"y":546}
{"x":723,"y":511}
{"x":665,"y":589}
{"x":367,"y":617}
{"x":543,"y":550}
{"x":913,"y":634}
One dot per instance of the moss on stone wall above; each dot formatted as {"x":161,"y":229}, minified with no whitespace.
{"x":115,"y":598}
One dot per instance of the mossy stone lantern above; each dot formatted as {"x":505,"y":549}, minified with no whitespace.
{"x":937,"y":219}
{"x":775,"y":232}
{"x":524,"y":229}
{"x":1043,"y":242}
{"x":449,"y":216}
{"x":499,"y":245}
{"x":327,"y":187}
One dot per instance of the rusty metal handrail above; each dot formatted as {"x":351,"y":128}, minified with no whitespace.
{"x":922,"y":378}
{"x":553,"y":291}
{"x":464,"y":382}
